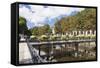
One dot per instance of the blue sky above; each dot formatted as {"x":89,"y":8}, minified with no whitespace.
{"x":38,"y":15}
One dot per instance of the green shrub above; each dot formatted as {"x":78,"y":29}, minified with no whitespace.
{"x":53,"y":37}
{"x":33,"y":37}
{"x":93,"y":37}
{"x":43,"y":38}
{"x":64,"y":37}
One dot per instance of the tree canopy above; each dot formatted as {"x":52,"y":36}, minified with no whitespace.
{"x":23,"y":26}
{"x":84,"y":20}
{"x":42,"y":30}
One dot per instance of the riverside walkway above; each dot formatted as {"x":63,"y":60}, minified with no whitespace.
{"x":24,"y":53}
{"x":28,"y":54}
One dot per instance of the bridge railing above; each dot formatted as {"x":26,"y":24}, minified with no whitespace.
{"x":71,"y":48}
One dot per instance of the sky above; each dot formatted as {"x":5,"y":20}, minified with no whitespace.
{"x":39,"y":15}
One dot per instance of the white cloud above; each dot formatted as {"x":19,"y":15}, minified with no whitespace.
{"x":38,"y":14}
{"x":33,"y":15}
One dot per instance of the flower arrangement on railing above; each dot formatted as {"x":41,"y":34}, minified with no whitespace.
{"x":61,"y":37}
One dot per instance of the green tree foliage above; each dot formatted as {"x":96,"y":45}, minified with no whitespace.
{"x":57,"y":27}
{"x":35,"y":31}
{"x":23,"y":27}
{"x":43,"y":30}
{"x":28,"y":32}
{"x":84,"y":20}
{"x":87,"y":19}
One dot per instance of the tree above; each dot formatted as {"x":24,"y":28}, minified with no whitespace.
{"x":58,"y":28}
{"x":28,"y":32}
{"x":84,"y":20}
{"x":35,"y":31}
{"x":47,"y":29}
{"x":87,"y":19}
{"x":42,"y":30}
{"x":23,"y":27}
